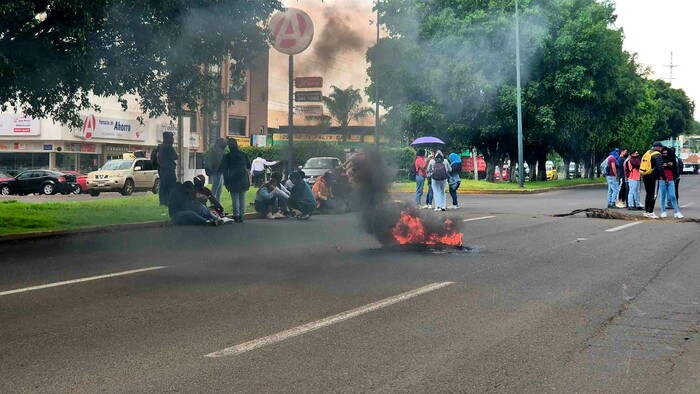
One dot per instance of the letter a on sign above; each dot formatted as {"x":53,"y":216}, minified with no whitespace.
{"x":292,"y":31}
{"x":89,"y":126}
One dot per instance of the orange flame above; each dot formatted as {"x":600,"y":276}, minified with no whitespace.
{"x":410,"y":230}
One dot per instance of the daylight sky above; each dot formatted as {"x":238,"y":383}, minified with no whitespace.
{"x":653,"y":29}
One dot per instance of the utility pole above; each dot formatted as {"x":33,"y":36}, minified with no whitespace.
{"x":290,"y":119}
{"x":671,"y":66}
{"x":376,"y":89}
{"x":521,"y":168}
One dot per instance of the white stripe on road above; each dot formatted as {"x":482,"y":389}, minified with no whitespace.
{"x":624,"y":226}
{"x":475,"y":219}
{"x":69,"y":282}
{"x":303,"y":329}
{"x":687,"y":205}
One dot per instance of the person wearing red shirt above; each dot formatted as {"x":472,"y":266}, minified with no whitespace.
{"x":421,"y":166}
{"x":667,"y":187}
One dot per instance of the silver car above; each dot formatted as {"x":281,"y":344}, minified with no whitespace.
{"x":317,"y":166}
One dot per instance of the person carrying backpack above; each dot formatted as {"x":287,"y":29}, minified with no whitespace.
{"x":609,"y":169}
{"x":439,"y":172}
{"x":652,"y":169}
{"x":454,"y":178}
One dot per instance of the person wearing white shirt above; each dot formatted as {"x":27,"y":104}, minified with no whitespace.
{"x":257,"y":170}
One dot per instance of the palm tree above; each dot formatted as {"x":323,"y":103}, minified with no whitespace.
{"x":344,"y":106}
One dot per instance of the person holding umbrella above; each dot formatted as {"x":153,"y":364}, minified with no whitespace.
{"x":421,"y":167}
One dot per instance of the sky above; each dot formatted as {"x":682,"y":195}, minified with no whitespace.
{"x":653,"y":29}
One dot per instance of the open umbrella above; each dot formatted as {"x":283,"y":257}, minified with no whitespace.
{"x":427,"y":141}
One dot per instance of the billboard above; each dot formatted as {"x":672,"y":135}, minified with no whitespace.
{"x":14,"y":125}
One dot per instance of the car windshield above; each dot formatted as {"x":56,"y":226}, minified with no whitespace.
{"x":321,"y":164}
{"x":117,"y":165}
{"x":4,"y":175}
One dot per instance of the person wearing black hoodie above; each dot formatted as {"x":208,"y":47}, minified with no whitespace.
{"x":216,"y":177}
{"x":651,"y":180}
{"x":166,"y":157}
{"x":667,"y":188}
{"x":185,"y":210}
{"x":235,"y":167}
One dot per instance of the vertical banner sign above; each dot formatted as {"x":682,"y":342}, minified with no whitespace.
{"x":292,"y":33}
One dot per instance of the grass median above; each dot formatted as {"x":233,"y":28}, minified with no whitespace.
{"x":21,"y":217}
{"x":470,"y":185}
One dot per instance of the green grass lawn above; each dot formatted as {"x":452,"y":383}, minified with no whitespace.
{"x":21,"y":217}
{"x":470,"y":184}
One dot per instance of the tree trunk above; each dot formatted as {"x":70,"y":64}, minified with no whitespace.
{"x":567,"y":163}
{"x":577,"y":170}
{"x":490,"y":169}
{"x":542,"y":166}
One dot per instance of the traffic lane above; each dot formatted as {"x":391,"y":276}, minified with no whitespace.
{"x":180,"y":292}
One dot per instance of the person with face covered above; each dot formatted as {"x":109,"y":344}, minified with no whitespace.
{"x":667,"y":187}
{"x":166,"y":157}
{"x":235,"y":167}
{"x":185,"y":210}
{"x":204,"y":195}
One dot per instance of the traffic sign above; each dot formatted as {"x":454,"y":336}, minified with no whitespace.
{"x":309,"y":110}
{"x":292,"y":31}
{"x":308,"y":97}
{"x":308,"y":82}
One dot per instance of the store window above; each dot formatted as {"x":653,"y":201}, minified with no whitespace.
{"x":236,"y":125}
{"x":14,"y":163}
{"x":89,"y":162}
{"x":65,"y":161}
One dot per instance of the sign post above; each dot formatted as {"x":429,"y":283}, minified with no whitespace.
{"x":292,"y":32}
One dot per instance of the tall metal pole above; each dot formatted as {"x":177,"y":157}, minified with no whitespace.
{"x":521,"y":168}
{"x":290,"y":135}
{"x":376,"y":90}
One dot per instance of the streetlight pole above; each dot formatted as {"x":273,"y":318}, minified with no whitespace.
{"x":376,"y":89}
{"x":521,"y":168}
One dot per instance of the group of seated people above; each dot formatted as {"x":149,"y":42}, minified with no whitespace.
{"x":187,"y":204}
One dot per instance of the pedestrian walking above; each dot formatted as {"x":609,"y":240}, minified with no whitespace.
{"x":235,"y":167}
{"x":166,"y":157}
{"x":420,"y":165}
{"x":667,"y":187}
{"x":633,"y":180}
{"x":621,"y":201}
{"x":438,"y":169}
{"x":212,"y":167}
{"x":454,"y":178}
{"x":652,"y":169}
{"x":609,"y":169}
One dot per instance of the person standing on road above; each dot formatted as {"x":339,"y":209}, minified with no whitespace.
{"x":679,"y":172}
{"x":235,"y":167}
{"x":421,"y":166}
{"x":438,"y":169}
{"x":429,"y":198}
{"x":623,"y":190}
{"x":213,"y":167}
{"x":166,"y":167}
{"x":633,"y":180}
{"x":668,"y":187}
{"x":612,"y":178}
{"x":454,"y":179}
{"x":651,"y":169}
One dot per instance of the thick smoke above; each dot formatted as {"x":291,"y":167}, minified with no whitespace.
{"x":337,"y":39}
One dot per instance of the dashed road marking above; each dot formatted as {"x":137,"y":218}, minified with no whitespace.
{"x":70,"y":282}
{"x":687,"y":205}
{"x":303,"y":329}
{"x":624,"y":226}
{"x":481,"y":218}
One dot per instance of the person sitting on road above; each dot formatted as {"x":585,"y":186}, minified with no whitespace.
{"x":326,"y":202}
{"x":267,"y":200}
{"x":301,"y":197}
{"x":204,"y":195}
{"x":184,"y":209}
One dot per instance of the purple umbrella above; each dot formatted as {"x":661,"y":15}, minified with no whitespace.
{"x":427,"y":141}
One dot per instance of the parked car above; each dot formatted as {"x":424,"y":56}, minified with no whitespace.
{"x":688,"y":169}
{"x":80,"y":179}
{"x":124,"y":176}
{"x":39,"y":182}
{"x":317,"y":166}
{"x":5,"y":176}
{"x":552,"y":174}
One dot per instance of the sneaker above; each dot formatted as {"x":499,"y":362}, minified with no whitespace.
{"x":664,"y":215}
{"x":304,"y":217}
{"x":278,"y":215}
{"x":678,"y":215}
{"x":270,"y":215}
{"x":646,"y":214}
{"x":455,"y":207}
{"x":652,"y":216}
{"x":436,"y":209}
{"x":426,"y":206}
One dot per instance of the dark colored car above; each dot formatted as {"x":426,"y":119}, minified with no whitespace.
{"x":80,"y":179}
{"x":39,"y":182}
{"x":4,"y":176}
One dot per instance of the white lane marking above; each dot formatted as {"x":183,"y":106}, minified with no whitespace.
{"x":624,"y":226}
{"x":572,"y":203}
{"x":687,"y":205}
{"x":303,"y":329}
{"x":475,"y":219}
{"x":69,"y":282}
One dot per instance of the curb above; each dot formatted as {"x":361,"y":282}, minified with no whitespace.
{"x":96,"y":229}
{"x":515,"y":191}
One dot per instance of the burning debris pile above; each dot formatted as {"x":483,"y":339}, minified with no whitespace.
{"x":393,"y":224}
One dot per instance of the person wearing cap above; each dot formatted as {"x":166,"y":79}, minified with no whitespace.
{"x":651,"y":180}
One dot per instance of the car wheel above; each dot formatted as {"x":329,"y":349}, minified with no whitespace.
{"x":5,"y":190}
{"x":93,"y":193}
{"x":77,"y":190}
{"x":156,"y":186}
{"x":128,"y":188}
{"x":48,"y":189}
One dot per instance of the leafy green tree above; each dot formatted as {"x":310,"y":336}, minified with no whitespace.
{"x":344,"y":106}
{"x":55,"y":54}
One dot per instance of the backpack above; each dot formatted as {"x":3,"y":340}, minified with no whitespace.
{"x":439,"y":171}
{"x":604,"y":166}
{"x":154,"y":158}
{"x":646,"y":168}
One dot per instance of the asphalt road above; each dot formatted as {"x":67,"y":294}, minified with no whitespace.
{"x":546,"y":304}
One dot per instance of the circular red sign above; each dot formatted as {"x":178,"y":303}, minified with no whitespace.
{"x":89,"y":126}
{"x":292,"y":31}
